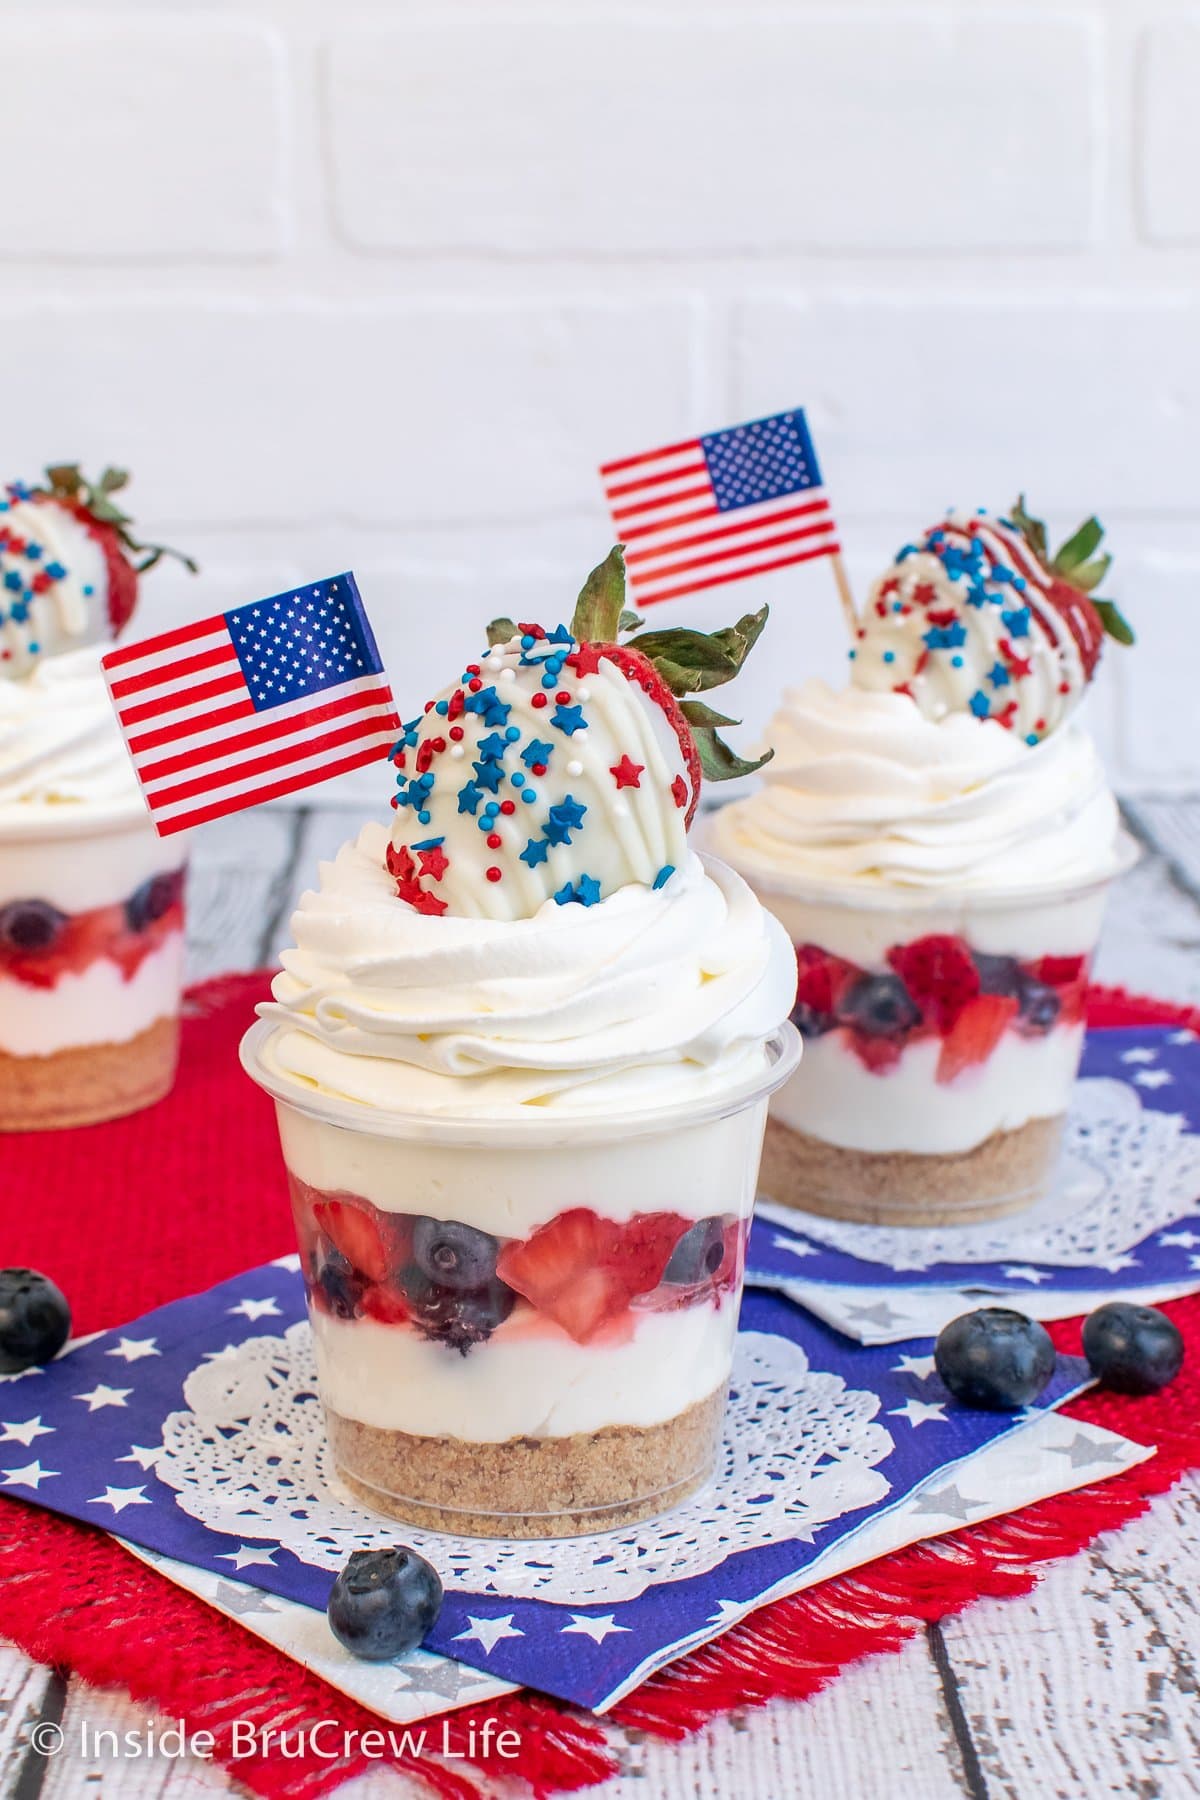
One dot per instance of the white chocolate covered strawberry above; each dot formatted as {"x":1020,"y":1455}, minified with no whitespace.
{"x":563,"y":764}
{"x":69,"y":566}
{"x":980,"y":617}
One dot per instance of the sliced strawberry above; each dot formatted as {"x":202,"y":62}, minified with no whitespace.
{"x":975,"y":1033}
{"x":940,"y":974}
{"x":582,"y":1271}
{"x":1058,"y":971}
{"x":353,"y":1229}
{"x":879,"y":1054}
{"x":822,"y":979}
{"x":640,"y":669}
{"x":385,"y":1304}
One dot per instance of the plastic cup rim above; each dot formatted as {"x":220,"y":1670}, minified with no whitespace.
{"x":540,"y":1130}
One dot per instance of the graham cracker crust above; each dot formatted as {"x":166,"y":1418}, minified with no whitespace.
{"x":1003,"y":1175}
{"x":530,"y":1487}
{"x":88,"y":1083}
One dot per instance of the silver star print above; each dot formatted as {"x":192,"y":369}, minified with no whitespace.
{"x":881,"y":1314}
{"x":438,"y":1675}
{"x":1085,"y":1453}
{"x":242,"y":1600}
{"x":946,"y":1503}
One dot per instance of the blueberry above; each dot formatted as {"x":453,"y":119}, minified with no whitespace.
{"x":35,"y":1320}
{"x":149,"y":902}
{"x":809,"y":1022}
{"x":698,"y":1254}
{"x":1132,"y":1349}
{"x":997,"y":974}
{"x":455,"y":1256}
{"x":994,"y":1358}
{"x":30,"y":926}
{"x":459,"y":1318}
{"x":1040,"y":1005}
{"x":879,"y":1006}
{"x":383,"y":1603}
{"x":338,"y":1279}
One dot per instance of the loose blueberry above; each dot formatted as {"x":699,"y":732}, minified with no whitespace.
{"x":458,"y":1318}
{"x":383,"y":1603}
{"x":1132,"y":1349}
{"x":879,"y":1006}
{"x":809,"y":1022}
{"x":30,"y":926}
{"x":454,"y":1255}
{"x":149,"y":902}
{"x":35,"y":1320}
{"x":997,"y":974}
{"x":698,"y":1254}
{"x":1040,"y":1005}
{"x":338,"y":1280}
{"x":994,"y":1358}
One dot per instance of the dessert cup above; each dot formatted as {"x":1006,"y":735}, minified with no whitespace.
{"x":523,"y":1325}
{"x":91,"y":966}
{"x":943,"y":1033}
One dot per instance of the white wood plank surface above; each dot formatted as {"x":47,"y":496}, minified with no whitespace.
{"x":1087,"y":1687}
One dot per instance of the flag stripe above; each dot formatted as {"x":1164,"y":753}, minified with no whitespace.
{"x":166,"y":640}
{"x":250,"y":766}
{"x":209,"y":745}
{"x":620,"y":514}
{"x":693,"y":587}
{"x":630,"y":532}
{"x":291,"y":784}
{"x":739,"y":529}
{"x":179,"y":671}
{"x":647,"y":456}
{"x":170,"y":702}
{"x":731,"y":550}
{"x":169,"y":734}
{"x":620,"y":489}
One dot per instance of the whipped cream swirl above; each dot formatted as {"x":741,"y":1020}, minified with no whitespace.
{"x":864,"y":789}
{"x":647,"y":998}
{"x":60,"y":744}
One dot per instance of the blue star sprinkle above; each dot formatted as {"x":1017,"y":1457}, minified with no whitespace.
{"x":469,"y":798}
{"x":1016,"y":622}
{"x":998,"y":675}
{"x":569,"y":719}
{"x":536,"y":851}
{"x":980,"y":704}
{"x":535,"y":752}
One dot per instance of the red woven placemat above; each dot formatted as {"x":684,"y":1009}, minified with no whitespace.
{"x":128,"y":1215}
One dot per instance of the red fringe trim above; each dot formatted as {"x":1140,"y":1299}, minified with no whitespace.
{"x":117,"y":1622}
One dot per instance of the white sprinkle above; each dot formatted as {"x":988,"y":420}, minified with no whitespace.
{"x":583,"y":693}
{"x":508,"y":674}
{"x":574,"y":768}
{"x":457,"y":752}
{"x":620,"y":810}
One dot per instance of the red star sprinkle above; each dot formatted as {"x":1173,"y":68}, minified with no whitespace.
{"x":626,"y":772}
{"x":924,"y":592}
{"x":533,"y":631}
{"x":1020,"y":665}
{"x":429,"y":903}
{"x":400,"y":863}
{"x":891,"y":585}
{"x":434,"y":863}
{"x":585,"y":660}
{"x":679,"y":791}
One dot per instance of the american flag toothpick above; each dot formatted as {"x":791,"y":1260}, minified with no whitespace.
{"x":723,"y":507}
{"x":252,"y":704}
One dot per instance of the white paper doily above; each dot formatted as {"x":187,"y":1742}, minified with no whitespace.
{"x":1126,"y":1172}
{"x":249,"y":1458}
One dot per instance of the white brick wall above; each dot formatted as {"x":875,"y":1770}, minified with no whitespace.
{"x":380,"y":283}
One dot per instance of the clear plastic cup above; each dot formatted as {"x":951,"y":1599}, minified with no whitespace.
{"x":91,"y":966}
{"x":942,"y":1033}
{"x":523,"y":1327}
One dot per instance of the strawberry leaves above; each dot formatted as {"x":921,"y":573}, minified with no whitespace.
{"x":501,"y":631}
{"x":717,"y":760}
{"x":601,"y":603}
{"x":69,"y":485}
{"x":1076,"y":563}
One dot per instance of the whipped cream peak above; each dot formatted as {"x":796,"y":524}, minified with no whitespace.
{"x":866,"y":790}
{"x":978,"y":619}
{"x":61,"y":749}
{"x":645,"y":998}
